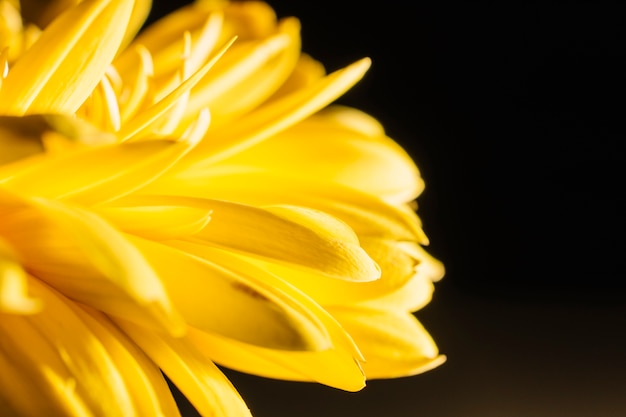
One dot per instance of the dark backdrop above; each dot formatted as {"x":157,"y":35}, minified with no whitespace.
{"x":514,"y":113}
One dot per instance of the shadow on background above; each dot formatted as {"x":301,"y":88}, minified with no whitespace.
{"x":513,"y":112}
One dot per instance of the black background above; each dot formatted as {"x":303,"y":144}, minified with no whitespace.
{"x":514,"y":113}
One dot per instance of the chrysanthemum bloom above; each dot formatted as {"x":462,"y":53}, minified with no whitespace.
{"x":184,"y":199}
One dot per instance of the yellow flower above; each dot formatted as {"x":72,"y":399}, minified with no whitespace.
{"x":184,"y":198}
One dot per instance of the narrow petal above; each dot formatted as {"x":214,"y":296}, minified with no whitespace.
{"x":298,"y":236}
{"x":24,"y":136}
{"x":98,"y":174}
{"x":333,"y":367}
{"x":394,"y":344}
{"x":366,"y":214}
{"x":338,"y":336}
{"x":247,"y":75}
{"x":157,"y":221}
{"x":86,"y":259}
{"x":397,"y":269}
{"x":301,"y":237}
{"x":58,"y":365}
{"x":68,"y":60}
{"x":216,"y":299}
{"x":146,"y":385}
{"x":197,"y":377}
{"x":277,"y":115}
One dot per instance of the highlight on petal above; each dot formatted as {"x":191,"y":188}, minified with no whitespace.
{"x":184,"y":200}
{"x":393,"y":343}
{"x":145,"y":382}
{"x":277,"y":115}
{"x":98,"y":174}
{"x":22,"y":137}
{"x":366,"y":214}
{"x":243,"y":307}
{"x":335,"y":367}
{"x":197,"y":377}
{"x":68,"y":60}
{"x":82,"y":256}
{"x":65,"y":369}
{"x":398,"y":268}
{"x":351,"y":156}
{"x":13,"y":285}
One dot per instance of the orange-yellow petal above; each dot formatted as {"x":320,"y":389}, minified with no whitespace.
{"x":58,"y":72}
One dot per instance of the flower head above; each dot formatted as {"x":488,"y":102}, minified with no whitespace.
{"x":185,"y":197}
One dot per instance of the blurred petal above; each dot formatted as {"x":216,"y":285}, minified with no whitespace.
{"x":197,"y":377}
{"x":98,"y":174}
{"x":87,"y":260}
{"x":13,"y":285}
{"x":65,"y":369}
{"x":61,"y":69}
{"x":144,"y":380}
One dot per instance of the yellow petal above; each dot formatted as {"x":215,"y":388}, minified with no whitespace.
{"x":145,"y":119}
{"x":54,"y":365}
{"x":417,"y":291}
{"x":299,"y":236}
{"x":66,"y":63}
{"x":397,"y":269}
{"x":241,"y":266}
{"x":197,"y":377}
{"x":98,"y":174}
{"x":333,"y":367}
{"x":394,"y":343}
{"x":366,"y":214}
{"x":87,"y":260}
{"x":277,"y":115}
{"x":158,"y":221}
{"x":13,"y":285}
{"x":247,"y":75}
{"x":24,"y":136}
{"x":323,"y":148}
{"x":216,"y":299}
{"x":146,"y":385}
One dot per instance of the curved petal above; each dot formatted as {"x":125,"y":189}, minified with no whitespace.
{"x":65,"y":370}
{"x":99,"y":174}
{"x":216,"y":299}
{"x":338,"y":336}
{"x":301,"y":237}
{"x":397,"y":269}
{"x":394,"y":343}
{"x":247,"y":75}
{"x":86,"y":259}
{"x":327,"y":147}
{"x":417,"y":291}
{"x":197,"y":377}
{"x":333,"y":367}
{"x":144,"y":380}
{"x":276,"y":115}
{"x":366,"y":214}
{"x":58,"y":72}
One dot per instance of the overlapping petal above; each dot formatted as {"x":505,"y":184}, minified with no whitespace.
{"x":88,"y":36}
{"x":181,"y":200}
